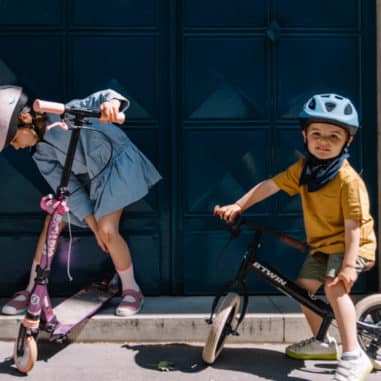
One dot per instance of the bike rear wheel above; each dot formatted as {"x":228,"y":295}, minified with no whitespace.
{"x":222,"y":326}
{"x":368,"y":310}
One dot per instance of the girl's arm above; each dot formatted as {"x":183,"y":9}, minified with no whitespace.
{"x":258,"y":193}
{"x":93,"y":101}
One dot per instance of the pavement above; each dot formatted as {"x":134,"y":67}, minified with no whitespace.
{"x":164,"y":319}
{"x":164,"y":342}
{"x":144,"y":362}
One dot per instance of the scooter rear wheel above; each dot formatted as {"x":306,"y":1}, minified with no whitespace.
{"x":26,"y":362}
{"x":368,"y":310}
{"x":225,"y":319}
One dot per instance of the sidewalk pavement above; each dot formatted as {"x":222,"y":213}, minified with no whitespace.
{"x":270,"y":319}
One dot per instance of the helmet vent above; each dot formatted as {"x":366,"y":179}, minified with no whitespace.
{"x":312,"y":104}
{"x":348,"y":109}
{"x":330,"y":106}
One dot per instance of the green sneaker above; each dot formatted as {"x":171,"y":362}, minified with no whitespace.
{"x":313,"y":349}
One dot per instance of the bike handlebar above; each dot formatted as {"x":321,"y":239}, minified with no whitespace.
{"x":59,"y":109}
{"x":293,"y":242}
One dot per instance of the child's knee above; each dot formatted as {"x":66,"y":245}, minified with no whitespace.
{"x":311,"y":285}
{"x":332,"y":291}
{"x":108,"y":233}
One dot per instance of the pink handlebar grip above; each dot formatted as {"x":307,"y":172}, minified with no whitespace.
{"x":45,"y":106}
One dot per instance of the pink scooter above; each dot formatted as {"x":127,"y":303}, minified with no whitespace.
{"x":58,"y":322}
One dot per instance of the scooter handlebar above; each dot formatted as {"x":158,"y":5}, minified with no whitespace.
{"x":59,"y":109}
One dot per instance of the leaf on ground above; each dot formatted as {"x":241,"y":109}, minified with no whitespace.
{"x":165,"y":366}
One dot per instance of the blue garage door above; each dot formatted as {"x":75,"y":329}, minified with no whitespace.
{"x":67,"y":49}
{"x":215,"y":89}
{"x":247,"y":67}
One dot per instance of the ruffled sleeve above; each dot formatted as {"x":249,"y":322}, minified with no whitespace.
{"x":93,"y":101}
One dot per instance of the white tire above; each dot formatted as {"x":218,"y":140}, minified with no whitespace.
{"x":225,"y":319}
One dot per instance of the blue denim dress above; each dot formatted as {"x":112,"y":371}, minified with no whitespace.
{"x":125,"y":180}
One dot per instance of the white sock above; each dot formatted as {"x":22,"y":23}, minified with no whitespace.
{"x":32,"y":276}
{"x":127,"y":278}
{"x":353,"y":355}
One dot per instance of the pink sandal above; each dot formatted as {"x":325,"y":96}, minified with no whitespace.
{"x":127,"y":308}
{"x":18,"y":304}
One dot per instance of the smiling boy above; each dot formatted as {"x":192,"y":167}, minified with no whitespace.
{"x":338,"y":225}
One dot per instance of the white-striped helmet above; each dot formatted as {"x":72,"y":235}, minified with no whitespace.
{"x":12,"y":101}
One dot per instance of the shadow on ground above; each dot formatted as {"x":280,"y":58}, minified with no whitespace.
{"x":261,"y":362}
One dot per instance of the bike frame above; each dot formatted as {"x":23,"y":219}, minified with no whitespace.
{"x":250,"y":263}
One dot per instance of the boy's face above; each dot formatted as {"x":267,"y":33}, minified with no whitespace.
{"x":325,"y":141}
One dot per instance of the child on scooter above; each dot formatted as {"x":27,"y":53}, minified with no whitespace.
{"x":338,"y":225}
{"x":125,"y":180}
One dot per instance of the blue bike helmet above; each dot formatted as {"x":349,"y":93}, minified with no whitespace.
{"x":330,"y":108}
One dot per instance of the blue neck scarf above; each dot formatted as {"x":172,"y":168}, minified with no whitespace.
{"x":317,"y":173}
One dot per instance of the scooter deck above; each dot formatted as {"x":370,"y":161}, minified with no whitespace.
{"x":81,"y":306}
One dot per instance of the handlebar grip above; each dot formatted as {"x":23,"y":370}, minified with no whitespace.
{"x":45,"y":106}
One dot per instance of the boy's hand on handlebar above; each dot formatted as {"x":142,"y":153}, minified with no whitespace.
{"x":228,"y":213}
{"x":109,"y":111}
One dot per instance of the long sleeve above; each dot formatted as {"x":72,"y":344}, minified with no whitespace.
{"x":93,"y":101}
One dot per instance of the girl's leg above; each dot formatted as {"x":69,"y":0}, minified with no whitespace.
{"x":108,"y":230}
{"x":19,"y":302}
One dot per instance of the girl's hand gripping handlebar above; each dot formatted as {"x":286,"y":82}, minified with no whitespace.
{"x":60,"y":109}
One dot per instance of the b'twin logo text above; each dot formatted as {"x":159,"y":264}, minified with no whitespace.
{"x":270,"y":274}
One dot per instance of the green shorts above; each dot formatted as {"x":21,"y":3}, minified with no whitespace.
{"x":319,"y":266}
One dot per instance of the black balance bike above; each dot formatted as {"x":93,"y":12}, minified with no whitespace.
{"x":226,"y":315}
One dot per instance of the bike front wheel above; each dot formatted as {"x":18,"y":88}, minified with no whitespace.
{"x":368,"y":310}
{"x":222,"y":326}
{"x":25,"y":362}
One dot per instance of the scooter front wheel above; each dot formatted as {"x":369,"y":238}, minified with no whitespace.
{"x":25,"y":362}
{"x":225,"y":320}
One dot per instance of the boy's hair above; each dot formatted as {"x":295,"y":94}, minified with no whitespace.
{"x":330,"y":108}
